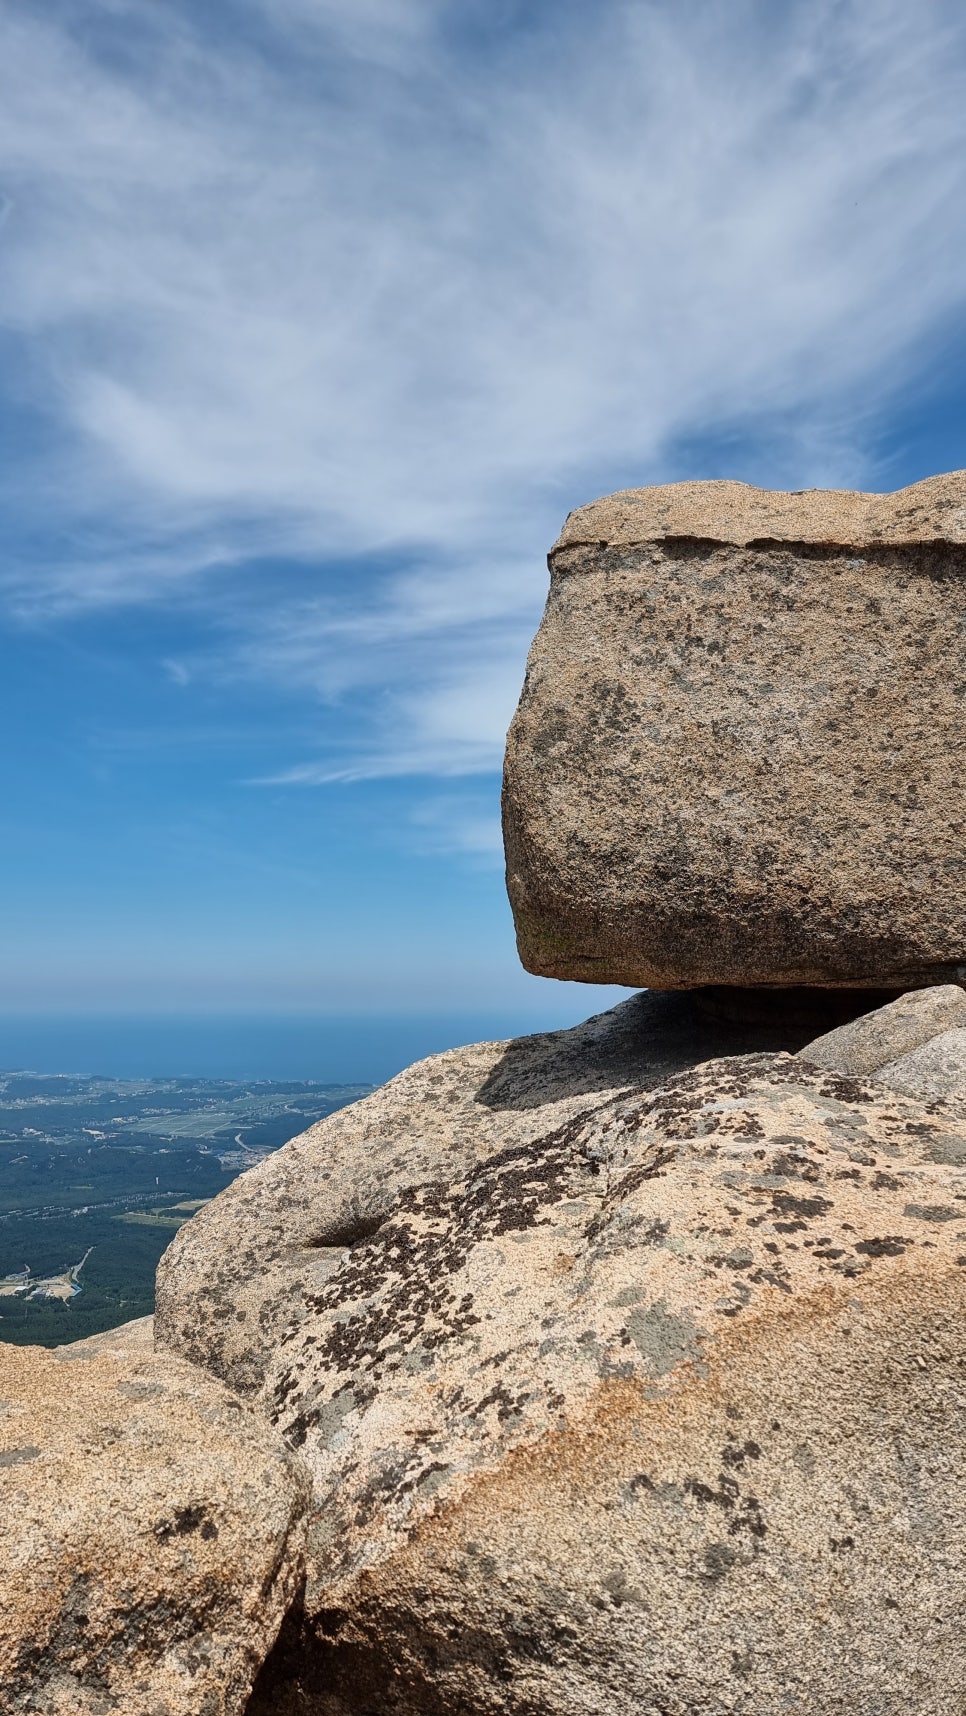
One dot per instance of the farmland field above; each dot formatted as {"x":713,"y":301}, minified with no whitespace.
{"x":106,"y":1170}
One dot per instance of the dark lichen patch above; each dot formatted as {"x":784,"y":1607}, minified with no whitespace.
{"x":932,"y":1212}
{"x":888,"y":1245}
{"x":786,"y":1165}
{"x":719,"y":1559}
{"x":744,"y":1512}
{"x":772,"y":1277}
{"x":804,"y":1209}
{"x":849,"y":1091}
{"x":509,"y":1407}
{"x":886,"y":1182}
{"x":186,"y":1521}
{"x":639,"y":1484}
{"x":735,"y":1454}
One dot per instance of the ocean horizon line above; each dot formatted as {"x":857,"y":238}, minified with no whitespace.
{"x":330,"y":1048}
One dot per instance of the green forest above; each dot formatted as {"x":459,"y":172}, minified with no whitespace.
{"x":107,"y":1167}
{"x":117,"y":1282}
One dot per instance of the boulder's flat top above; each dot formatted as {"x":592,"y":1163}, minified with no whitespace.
{"x":931,"y":511}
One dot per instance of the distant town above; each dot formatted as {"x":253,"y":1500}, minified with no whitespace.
{"x":97,"y":1174}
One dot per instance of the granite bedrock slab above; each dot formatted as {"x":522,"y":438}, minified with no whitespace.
{"x":624,"y":1383}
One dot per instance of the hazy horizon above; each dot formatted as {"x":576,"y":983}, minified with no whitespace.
{"x":332,"y":1048}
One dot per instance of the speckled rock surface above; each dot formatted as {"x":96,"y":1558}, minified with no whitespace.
{"x":888,"y":1034}
{"x":244,"y":1269}
{"x":151,"y":1535}
{"x":740,"y":751}
{"x":937,"y":1068}
{"x":659,"y":1406}
{"x":136,"y":1337}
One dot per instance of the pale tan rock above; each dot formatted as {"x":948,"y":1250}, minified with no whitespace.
{"x":136,"y":1337}
{"x":246,"y":1266}
{"x":890,"y":1032}
{"x":737,"y":513}
{"x":660,"y":1406}
{"x":151,"y":1535}
{"x":740,"y":750}
{"x":936,"y":1068}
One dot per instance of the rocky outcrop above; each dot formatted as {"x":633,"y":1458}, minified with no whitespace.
{"x":135,"y":1338}
{"x":151,"y":1534}
{"x":243,"y":1271}
{"x":628,"y":1398}
{"x":625,"y":1366}
{"x":916,"y":1044}
{"x":740,"y":750}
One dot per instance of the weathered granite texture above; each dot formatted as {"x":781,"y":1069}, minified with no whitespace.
{"x":740,"y":752}
{"x":874,"y":1039}
{"x":135,"y":1338}
{"x":614,"y":1402}
{"x":936,"y":1068}
{"x":916,"y":1044}
{"x":245,"y":1268}
{"x":151,"y":1534}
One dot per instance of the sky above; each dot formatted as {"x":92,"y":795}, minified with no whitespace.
{"x":316,"y":319}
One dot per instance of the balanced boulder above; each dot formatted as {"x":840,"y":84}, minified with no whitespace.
{"x":740,"y":753}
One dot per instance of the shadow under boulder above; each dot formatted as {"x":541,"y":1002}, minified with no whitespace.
{"x":657,"y":1033}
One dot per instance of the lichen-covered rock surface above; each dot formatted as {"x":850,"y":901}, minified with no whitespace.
{"x":740,"y":750}
{"x":659,"y":1403}
{"x":246,"y":1267}
{"x":151,"y":1534}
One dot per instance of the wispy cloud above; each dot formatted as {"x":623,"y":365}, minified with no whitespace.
{"x":459,"y":824}
{"x":358,"y":279}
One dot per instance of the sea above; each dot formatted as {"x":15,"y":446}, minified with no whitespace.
{"x":343,"y":1049}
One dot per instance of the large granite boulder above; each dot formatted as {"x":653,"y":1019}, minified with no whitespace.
{"x":617,"y":1396}
{"x":740,"y":752}
{"x":151,"y":1534}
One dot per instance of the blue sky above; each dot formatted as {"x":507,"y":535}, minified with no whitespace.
{"x":316,"y":318}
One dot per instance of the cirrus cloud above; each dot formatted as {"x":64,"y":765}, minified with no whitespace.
{"x":381,"y":289}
